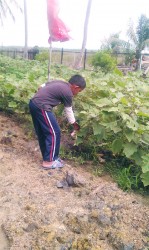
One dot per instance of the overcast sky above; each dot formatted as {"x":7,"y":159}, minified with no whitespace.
{"x":106,"y":17}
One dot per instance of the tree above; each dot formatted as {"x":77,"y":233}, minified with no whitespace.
{"x":26,"y":31}
{"x":5,"y":7}
{"x":140,"y":36}
{"x":114,"y":44}
{"x":80,"y":57}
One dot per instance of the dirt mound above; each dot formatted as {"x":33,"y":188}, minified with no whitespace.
{"x":37,"y":214}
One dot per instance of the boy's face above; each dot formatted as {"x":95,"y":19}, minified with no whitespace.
{"x":75,"y":89}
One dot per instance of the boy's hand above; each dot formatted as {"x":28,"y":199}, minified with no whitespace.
{"x":74,"y":135}
{"x":76,"y":126}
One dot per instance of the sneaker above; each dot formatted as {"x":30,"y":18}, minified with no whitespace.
{"x":56,"y":164}
{"x":60,"y":160}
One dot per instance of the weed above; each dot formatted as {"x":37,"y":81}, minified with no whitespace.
{"x":97,"y":171}
{"x":65,"y":154}
{"x":128,"y":178}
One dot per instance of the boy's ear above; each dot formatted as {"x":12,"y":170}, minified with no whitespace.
{"x":77,"y":87}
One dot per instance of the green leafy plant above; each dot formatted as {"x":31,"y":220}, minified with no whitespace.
{"x":42,"y":56}
{"x":104,"y":61}
{"x":114,"y":114}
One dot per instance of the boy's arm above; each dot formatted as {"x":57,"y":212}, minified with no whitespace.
{"x":71,"y":118}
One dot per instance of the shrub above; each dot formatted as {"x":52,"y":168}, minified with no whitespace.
{"x":42,"y":56}
{"x":105,"y":61}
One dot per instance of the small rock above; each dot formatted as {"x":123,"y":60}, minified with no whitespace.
{"x":104,"y":220}
{"x":70,"y":179}
{"x":62,"y":184}
{"x":129,"y":247}
{"x":63,"y":248}
{"x":31,"y":227}
{"x":74,"y":180}
{"x":59,"y":184}
{"x":6,"y":140}
{"x":9,"y":133}
{"x":49,"y":173}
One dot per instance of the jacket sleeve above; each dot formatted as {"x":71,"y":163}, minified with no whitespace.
{"x":69,"y":114}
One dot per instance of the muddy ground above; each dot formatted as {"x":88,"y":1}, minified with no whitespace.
{"x":37,"y":214}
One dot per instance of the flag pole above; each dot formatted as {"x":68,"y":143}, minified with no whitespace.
{"x":50,"y":59}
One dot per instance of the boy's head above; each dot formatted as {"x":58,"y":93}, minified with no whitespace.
{"x":78,"y":83}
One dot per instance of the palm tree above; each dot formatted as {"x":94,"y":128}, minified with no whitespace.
{"x":80,"y":57}
{"x":26,"y":31}
{"x":140,"y":37}
{"x":5,"y":7}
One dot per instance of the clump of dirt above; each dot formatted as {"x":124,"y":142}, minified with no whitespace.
{"x":37,"y":214}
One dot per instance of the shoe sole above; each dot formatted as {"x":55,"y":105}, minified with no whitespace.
{"x":48,"y":168}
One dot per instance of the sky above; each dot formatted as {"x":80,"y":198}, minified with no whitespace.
{"x":106,"y":17}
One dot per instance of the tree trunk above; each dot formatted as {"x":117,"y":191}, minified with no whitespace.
{"x":26,"y":31}
{"x":80,"y":57}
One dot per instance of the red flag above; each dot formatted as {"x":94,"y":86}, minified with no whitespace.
{"x":57,"y":29}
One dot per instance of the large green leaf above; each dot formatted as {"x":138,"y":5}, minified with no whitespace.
{"x":145,"y":138}
{"x":113,"y":109}
{"x":145,"y":164}
{"x":121,"y":84}
{"x":145,"y":168}
{"x":140,"y":113}
{"x":132,"y":124}
{"x":79,"y":140}
{"x":103,"y":102}
{"x":98,"y":129}
{"x":12,"y":104}
{"x":117,"y":145}
{"x":145,"y":178}
{"x":129,"y":149}
{"x":137,"y":157}
{"x":115,"y":100}
{"x":129,"y":135}
{"x":112,"y":126}
{"x":124,"y":101}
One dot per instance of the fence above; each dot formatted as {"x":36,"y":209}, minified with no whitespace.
{"x":59,"y":56}
{"x":18,"y":53}
{"x":69,"y":57}
{"x":66,"y":56}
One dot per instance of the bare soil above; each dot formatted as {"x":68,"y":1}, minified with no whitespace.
{"x":36,"y":214}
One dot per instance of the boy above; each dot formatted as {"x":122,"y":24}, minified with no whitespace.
{"x":47,"y":129}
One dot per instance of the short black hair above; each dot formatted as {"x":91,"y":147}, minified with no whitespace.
{"x":78,"y":80}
